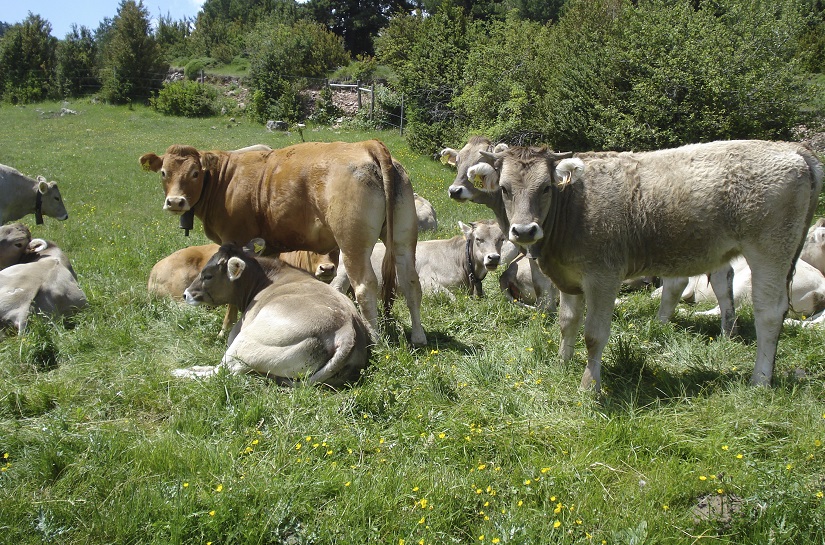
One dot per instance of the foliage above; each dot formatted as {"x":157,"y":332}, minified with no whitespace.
{"x":428,"y":53}
{"x":132,"y":66}
{"x":172,"y":36}
{"x":187,"y":99}
{"x":326,"y":112}
{"x":76,"y":63}
{"x":356,"y":21}
{"x":27,"y":61}
{"x":193,"y":68}
{"x":363,"y":68}
{"x":276,"y":99}
{"x":482,"y":433}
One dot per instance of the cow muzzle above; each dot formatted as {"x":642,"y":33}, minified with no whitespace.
{"x":190,"y":298}
{"x":458,"y":193}
{"x":492,"y":261}
{"x":525,"y":233}
{"x":176,"y":205}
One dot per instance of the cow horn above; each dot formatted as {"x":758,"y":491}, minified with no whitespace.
{"x":490,"y":157}
{"x":558,"y":156}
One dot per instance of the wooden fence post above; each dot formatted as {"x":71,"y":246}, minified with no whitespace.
{"x":372,"y":102}
{"x":358,"y":88}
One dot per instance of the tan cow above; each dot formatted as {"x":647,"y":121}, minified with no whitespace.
{"x":460,"y":262}
{"x":293,"y":327}
{"x":14,"y":240}
{"x":44,"y":281}
{"x":21,"y":196}
{"x":313,"y":196}
{"x":600,"y":218}
{"x":425,"y":212}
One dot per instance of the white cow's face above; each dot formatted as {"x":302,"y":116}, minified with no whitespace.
{"x":463,"y":189}
{"x":52,"y":200}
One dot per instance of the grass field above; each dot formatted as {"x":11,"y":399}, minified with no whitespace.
{"x":481,"y":437}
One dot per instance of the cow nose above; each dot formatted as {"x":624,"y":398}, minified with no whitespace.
{"x":525,"y":232}
{"x":175,"y":203}
{"x":326,"y":268}
{"x":492,"y":261}
{"x":456,"y":192}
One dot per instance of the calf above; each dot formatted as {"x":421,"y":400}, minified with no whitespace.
{"x":14,"y":240}
{"x":44,"y":281}
{"x":21,"y":195}
{"x":425,"y":212}
{"x":293,"y":327}
{"x":460,"y":262}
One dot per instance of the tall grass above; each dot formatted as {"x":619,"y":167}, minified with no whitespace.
{"x":481,"y":437}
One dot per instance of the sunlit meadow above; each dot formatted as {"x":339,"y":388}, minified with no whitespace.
{"x":481,"y":437}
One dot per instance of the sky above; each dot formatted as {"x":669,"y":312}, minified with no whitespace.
{"x":89,"y":13}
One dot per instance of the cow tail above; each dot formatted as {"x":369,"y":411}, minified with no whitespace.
{"x":390,"y":177}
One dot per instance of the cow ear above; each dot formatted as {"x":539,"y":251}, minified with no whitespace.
{"x":209,"y":160}
{"x":500,"y":147}
{"x":150,"y":161}
{"x":466,"y":229}
{"x":42,"y":185}
{"x":235,"y":267}
{"x":449,"y":156}
{"x":818,"y":235}
{"x":569,"y":171}
{"x":483,"y":176}
{"x":255,"y":246}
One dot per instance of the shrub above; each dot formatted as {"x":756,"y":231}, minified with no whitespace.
{"x":27,"y":61}
{"x":186,"y":99}
{"x":276,"y":99}
{"x":76,"y":58}
{"x":193,"y":69}
{"x":325,"y":109}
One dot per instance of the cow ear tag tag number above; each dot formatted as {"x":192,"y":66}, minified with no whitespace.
{"x":445,"y":159}
{"x":478,"y":181}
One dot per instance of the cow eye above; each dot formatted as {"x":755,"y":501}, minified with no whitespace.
{"x":546,"y":190}
{"x":195,"y":174}
{"x":504,"y":191}
{"x":206,"y":277}
{"x":18,"y":244}
{"x":163,"y":174}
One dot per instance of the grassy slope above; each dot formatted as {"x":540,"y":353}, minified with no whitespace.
{"x":482,"y":437}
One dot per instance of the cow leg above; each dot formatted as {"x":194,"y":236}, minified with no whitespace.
{"x":365,"y":286}
{"x":229,"y":320}
{"x":571,"y":315}
{"x":672,"y":288}
{"x":721,"y":280}
{"x":341,"y":281}
{"x":410,"y":287}
{"x":770,"y":304}
{"x":600,"y":296}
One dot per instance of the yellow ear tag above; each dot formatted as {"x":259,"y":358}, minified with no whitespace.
{"x":445,"y":158}
{"x":478,"y":181}
{"x":258,"y":248}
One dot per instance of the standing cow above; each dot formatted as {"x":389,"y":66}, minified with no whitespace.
{"x":313,"y":196}
{"x":597,"y":219}
{"x":293,"y":327}
{"x":465,"y":187}
{"x":21,"y":196}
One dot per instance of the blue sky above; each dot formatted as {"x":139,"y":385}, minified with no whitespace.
{"x":89,"y":13}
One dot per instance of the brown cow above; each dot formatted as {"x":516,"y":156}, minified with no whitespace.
{"x":312,"y":196}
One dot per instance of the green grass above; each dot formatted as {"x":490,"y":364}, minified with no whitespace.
{"x":483,"y":433}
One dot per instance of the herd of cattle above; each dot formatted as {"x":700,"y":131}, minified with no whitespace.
{"x":296,"y":229}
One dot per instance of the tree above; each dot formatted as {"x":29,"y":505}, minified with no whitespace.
{"x":27,"y":61}
{"x":132,"y":63}
{"x":171,"y":36}
{"x":77,"y":63}
{"x":357,"y":21}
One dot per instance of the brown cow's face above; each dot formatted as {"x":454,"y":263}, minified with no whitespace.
{"x":182,"y":173}
{"x":463,"y":189}
{"x":326,"y":266}
{"x":526,"y":188}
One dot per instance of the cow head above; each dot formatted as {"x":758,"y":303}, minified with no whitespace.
{"x":526,"y":177}
{"x":14,"y":239}
{"x":485,"y":238}
{"x":219,"y":281}
{"x":326,"y":265}
{"x":50,"y":201}
{"x":182,"y":171}
{"x":462,"y":188}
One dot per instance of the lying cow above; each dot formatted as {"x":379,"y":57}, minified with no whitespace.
{"x":520,"y":285}
{"x":21,"y":196}
{"x":460,"y":262}
{"x":293,"y":327}
{"x":597,"y":219}
{"x":312,"y":196}
{"x":14,"y":240}
{"x":172,"y":275}
{"x":44,"y":281}
{"x":523,"y":279}
{"x":807,"y":289}
{"x":425,"y":212}
{"x":814,"y":250}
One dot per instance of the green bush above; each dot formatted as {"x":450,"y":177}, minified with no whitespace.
{"x":276,"y":99}
{"x":325,"y":109}
{"x":27,"y":61}
{"x":193,"y":69}
{"x":186,"y":99}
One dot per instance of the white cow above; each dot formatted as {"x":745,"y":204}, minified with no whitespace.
{"x":21,"y":195}
{"x":424,"y":210}
{"x":293,"y":326}
{"x":44,"y":281}
{"x":597,"y":219}
{"x":460,"y":262}
{"x":814,"y":250}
